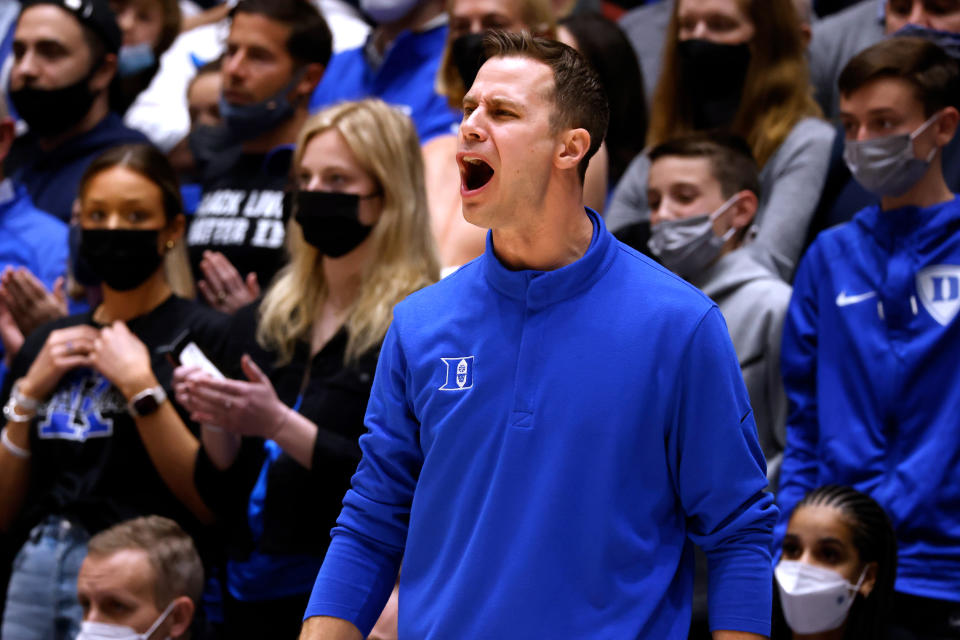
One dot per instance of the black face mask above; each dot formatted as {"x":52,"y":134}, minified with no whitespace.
{"x":49,"y":112}
{"x":79,"y":267}
{"x":122,"y":258}
{"x":330,"y":220}
{"x":713,"y":76}
{"x":468,"y":56}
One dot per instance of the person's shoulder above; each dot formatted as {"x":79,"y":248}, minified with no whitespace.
{"x":462,"y":284}
{"x":862,"y":17}
{"x":653,"y":288}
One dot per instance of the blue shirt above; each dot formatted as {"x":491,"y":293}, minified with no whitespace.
{"x":29,"y":238}
{"x":544,"y":448}
{"x":405,"y":78}
{"x":869,"y":360}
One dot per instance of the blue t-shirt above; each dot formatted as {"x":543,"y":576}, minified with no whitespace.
{"x":405,"y":79}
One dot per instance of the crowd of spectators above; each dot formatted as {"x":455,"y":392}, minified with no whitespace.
{"x":208,"y":212}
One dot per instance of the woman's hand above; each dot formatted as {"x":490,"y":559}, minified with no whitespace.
{"x":64,"y":349}
{"x":222,"y":286}
{"x":123,"y":360}
{"x":246,"y":408}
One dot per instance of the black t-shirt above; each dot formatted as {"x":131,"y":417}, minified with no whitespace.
{"x":89,"y":464}
{"x":241,"y":214}
{"x":301,"y":505}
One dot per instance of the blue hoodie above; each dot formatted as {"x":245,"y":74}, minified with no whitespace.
{"x":543,"y":450}
{"x":870,"y":366}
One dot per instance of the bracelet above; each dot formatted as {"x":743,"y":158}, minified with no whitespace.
{"x":10,"y":412}
{"x":25,"y":402}
{"x":19,"y":452}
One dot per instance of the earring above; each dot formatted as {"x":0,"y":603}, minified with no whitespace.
{"x":170,"y":244}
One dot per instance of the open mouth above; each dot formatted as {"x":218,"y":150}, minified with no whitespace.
{"x":476,"y":173}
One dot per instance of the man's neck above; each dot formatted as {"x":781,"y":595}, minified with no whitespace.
{"x":560,"y":237}
{"x":930,"y":190}
{"x":98,"y":111}
{"x":286,"y":133}
{"x":385,"y":34}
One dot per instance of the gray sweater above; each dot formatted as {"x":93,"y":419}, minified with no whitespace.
{"x":790,"y":186}
{"x":753,"y":302}
{"x":836,"y":39}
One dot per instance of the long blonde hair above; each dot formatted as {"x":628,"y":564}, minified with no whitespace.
{"x":537,"y":15}
{"x":384,"y":142}
{"x":776,"y":94}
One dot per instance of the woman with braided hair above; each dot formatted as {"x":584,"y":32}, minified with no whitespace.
{"x":837,"y":568}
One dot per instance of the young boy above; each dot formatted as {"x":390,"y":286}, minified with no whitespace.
{"x":870,"y":343}
{"x":703,"y":191}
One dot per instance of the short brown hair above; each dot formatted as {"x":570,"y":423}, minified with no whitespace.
{"x":578,"y":95}
{"x":731,"y":163}
{"x":177,"y":570}
{"x":932,"y":73}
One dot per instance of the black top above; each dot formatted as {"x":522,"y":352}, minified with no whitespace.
{"x":301,"y":506}
{"x":89,"y":464}
{"x":241,"y":214}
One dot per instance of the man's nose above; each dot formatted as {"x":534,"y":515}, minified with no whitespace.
{"x":125,"y":21}
{"x":25,"y":67}
{"x":918,"y":15}
{"x":471,"y":127}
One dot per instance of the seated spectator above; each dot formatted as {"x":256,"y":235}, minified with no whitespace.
{"x":149,"y":27}
{"x":868,"y":357}
{"x":398,"y":64}
{"x":86,"y":408}
{"x":141,"y":579}
{"x":837,"y":567}
{"x":740,"y":65}
{"x":608,"y":51}
{"x":360,"y":244}
{"x":63,"y":98}
{"x":31,"y":241}
{"x":703,"y":192}
{"x":203,"y":104}
{"x":275,"y":56}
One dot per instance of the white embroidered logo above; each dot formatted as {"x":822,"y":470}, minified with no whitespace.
{"x":462,"y":369}
{"x":843,"y":300}
{"x":939,"y":289}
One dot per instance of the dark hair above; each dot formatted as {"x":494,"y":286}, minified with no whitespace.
{"x":146,"y":160}
{"x":608,"y":50}
{"x":875,"y":541}
{"x":177,"y":570}
{"x":928,"y":68}
{"x":310,"y":38}
{"x":731,"y":161}
{"x":578,"y":94}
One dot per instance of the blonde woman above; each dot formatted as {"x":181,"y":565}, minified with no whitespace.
{"x":359,"y":242}
{"x":739,"y":65}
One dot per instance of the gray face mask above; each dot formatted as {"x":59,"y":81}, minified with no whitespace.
{"x":887,"y":166}
{"x":688,"y":246}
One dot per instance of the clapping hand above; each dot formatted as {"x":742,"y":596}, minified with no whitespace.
{"x":222,"y":286}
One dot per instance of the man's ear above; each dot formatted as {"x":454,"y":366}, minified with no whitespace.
{"x":312,"y":75}
{"x":572,"y":148}
{"x":744,"y":209}
{"x":869,"y":579}
{"x":181,"y":616}
{"x":105,"y":72}
{"x":947,"y":125}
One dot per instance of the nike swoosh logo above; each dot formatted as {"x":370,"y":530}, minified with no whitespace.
{"x":844,"y":300}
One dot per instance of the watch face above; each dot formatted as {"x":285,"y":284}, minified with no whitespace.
{"x":146,"y":405}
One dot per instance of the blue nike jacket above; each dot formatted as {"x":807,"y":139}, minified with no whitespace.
{"x":543,"y":450}
{"x":870,"y":366}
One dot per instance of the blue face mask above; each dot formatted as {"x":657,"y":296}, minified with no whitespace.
{"x":946,"y":40}
{"x":135,"y":58}
{"x":246,"y":121}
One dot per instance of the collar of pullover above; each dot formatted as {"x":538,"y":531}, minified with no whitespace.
{"x":910,"y":225}
{"x":540,"y":289}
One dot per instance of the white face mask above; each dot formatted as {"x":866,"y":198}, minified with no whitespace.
{"x":814,"y":599}
{"x":106,"y":631}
